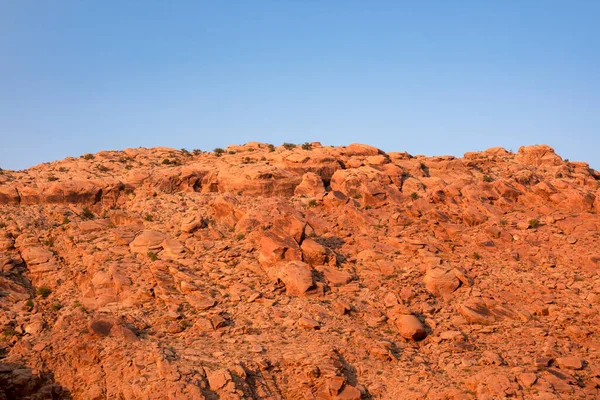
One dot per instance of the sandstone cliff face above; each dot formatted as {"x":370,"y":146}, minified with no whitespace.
{"x":304,"y":273}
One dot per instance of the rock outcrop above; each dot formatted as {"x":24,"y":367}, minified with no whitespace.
{"x":300,"y":272}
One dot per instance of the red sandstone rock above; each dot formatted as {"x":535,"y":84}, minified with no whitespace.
{"x":300,"y":273}
{"x":410,"y":327}
{"x":296,"y":276}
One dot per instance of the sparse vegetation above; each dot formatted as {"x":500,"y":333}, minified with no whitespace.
{"x":289,"y":146}
{"x":487,"y":178}
{"x":44,"y":291}
{"x":9,"y":333}
{"x":166,"y":161}
{"x":423,"y":166}
{"x":103,"y":168}
{"x":152,"y":255}
{"x":87,"y":214}
{"x":78,"y":304}
{"x":219,"y":151}
{"x":88,"y":156}
{"x":414,"y":195}
{"x":29,"y":305}
{"x":534,"y":223}
{"x":476,"y":256}
{"x":313,"y":203}
{"x":306,"y":146}
{"x":148,"y":217}
{"x":56,"y":306}
{"x":240,"y":236}
{"x":52,"y":178}
{"x":271,"y":147}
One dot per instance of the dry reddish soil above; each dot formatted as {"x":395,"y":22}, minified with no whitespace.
{"x":300,"y":273}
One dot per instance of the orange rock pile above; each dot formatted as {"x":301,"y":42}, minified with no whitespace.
{"x":300,"y":273}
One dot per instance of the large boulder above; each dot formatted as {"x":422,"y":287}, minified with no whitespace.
{"x":368,"y":184}
{"x":274,"y":249}
{"x":441,"y":282}
{"x":311,"y":185}
{"x":146,"y":241}
{"x":538,"y":155}
{"x":297,"y":277}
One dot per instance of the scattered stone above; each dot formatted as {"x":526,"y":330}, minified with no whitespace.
{"x":308,"y":323}
{"x":569,"y":363}
{"x":410,"y":327}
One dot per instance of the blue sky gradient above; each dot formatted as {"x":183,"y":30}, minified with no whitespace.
{"x":430,"y":77}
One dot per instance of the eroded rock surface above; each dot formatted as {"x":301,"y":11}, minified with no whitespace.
{"x":305,"y":272}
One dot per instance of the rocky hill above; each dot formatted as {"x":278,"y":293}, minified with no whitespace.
{"x":300,"y":272}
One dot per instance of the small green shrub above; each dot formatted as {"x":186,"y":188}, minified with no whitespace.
{"x":52,"y":178}
{"x":313,"y":203}
{"x":289,"y":146}
{"x":44,"y":291}
{"x":487,"y":178}
{"x":423,"y":166}
{"x":476,"y":256}
{"x":29,"y":304}
{"x":88,"y":156}
{"x":414,"y":196}
{"x":152,"y":255}
{"x":86,"y":213}
{"x":166,"y":161}
{"x":56,"y":306}
{"x":103,"y":168}
{"x":534,"y":223}
{"x":219,"y":151}
{"x":240,"y":236}
{"x":9,"y":333}
{"x":149,"y":217}
{"x":271,"y":147}
{"x":306,"y":146}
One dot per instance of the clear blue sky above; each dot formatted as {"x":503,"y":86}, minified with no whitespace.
{"x":428,"y":77}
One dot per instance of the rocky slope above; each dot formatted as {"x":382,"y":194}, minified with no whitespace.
{"x":305,"y":272}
